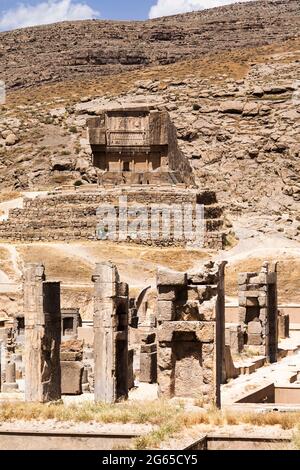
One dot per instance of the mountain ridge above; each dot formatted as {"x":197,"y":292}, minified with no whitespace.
{"x":60,"y":51}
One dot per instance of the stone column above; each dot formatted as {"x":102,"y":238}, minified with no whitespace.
{"x":110,"y":334}
{"x":258,"y":310}
{"x":10,"y":384}
{"x":42,"y":336}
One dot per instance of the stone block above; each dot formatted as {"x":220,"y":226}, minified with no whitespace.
{"x":167,"y":277}
{"x":123,"y":290}
{"x":86,"y":334}
{"x":207,"y":311}
{"x":148,"y":348}
{"x":165,"y":310}
{"x":263,"y":314}
{"x":9,"y":387}
{"x":255,"y":340}
{"x":106,"y":290}
{"x":242,"y":314}
{"x":245,"y":301}
{"x":201,"y":293}
{"x":261,"y":278}
{"x":107,"y":272}
{"x":167,"y":293}
{"x":130,"y":369}
{"x":243,"y":278}
{"x":252,"y":293}
{"x":71,"y":378}
{"x":148,"y":367}
{"x":70,"y":356}
{"x":283,"y":326}
{"x":234,"y":338}
{"x":263,"y":301}
{"x":204,"y":331}
{"x":147,"y":338}
{"x":165,"y":357}
{"x":256,"y":287}
{"x":205,"y":277}
{"x":254,"y":328}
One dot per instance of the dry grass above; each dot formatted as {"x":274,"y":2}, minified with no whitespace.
{"x":180,"y":421}
{"x":59,"y":265}
{"x":155,"y":413}
{"x":6,"y":264}
{"x":78,"y":261}
{"x":9,"y":195}
{"x":169,"y":419}
{"x":288,"y":279}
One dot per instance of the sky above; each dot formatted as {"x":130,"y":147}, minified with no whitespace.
{"x":21,"y":13}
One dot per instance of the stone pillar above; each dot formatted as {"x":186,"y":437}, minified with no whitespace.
{"x":191,"y":333}
{"x":148,"y":358}
{"x":42,"y":336}
{"x":110,"y":334}
{"x":258,"y":311}
{"x":10,"y":384}
{"x":283,"y":325}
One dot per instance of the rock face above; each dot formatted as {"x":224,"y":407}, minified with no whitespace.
{"x":79,"y":49}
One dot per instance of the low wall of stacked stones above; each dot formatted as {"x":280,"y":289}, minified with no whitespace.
{"x":73,"y":216}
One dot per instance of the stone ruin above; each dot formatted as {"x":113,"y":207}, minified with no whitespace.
{"x":136,"y":155}
{"x":258,"y":310}
{"x":137,"y":145}
{"x":42,"y":336}
{"x":191,"y":342}
{"x":181,"y":345}
{"x":111,"y":334}
{"x":70,"y":322}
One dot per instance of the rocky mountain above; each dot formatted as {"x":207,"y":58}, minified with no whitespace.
{"x":80,"y":49}
{"x":236,"y":111}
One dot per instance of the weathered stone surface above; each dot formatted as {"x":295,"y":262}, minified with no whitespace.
{"x":147,"y":338}
{"x":110,"y":335}
{"x":107,"y":48}
{"x":165,"y":310}
{"x":167,"y":277}
{"x":71,"y":377}
{"x":234,"y":338}
{"x":234,"y":107}
{"x":191,"y":357}
{"x":86,"y":334}
{"x":130,"y":369}
{"x":148,"y":367}
{"x":204,"y":331}
{"x":255,"y":339}
{"x":254,"y":328}
{"x":167,"y":293}
{"x":283,"y":325}
{"x":42,"y":336}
